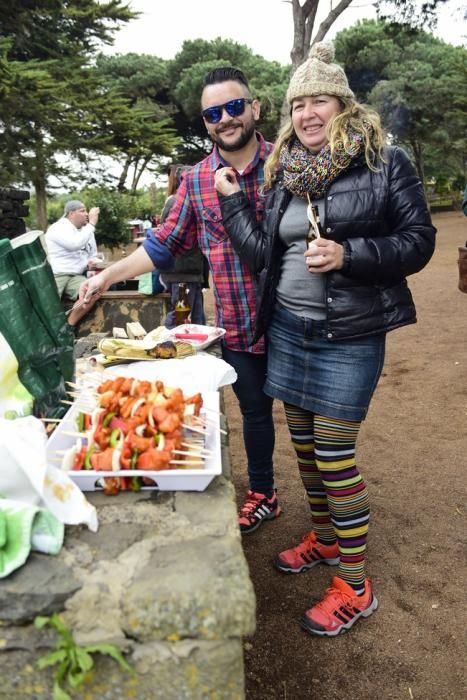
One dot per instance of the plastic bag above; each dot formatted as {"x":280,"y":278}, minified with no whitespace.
{"x":27,"y":298}
{"x":15,"y":399}
{"x":26,"y":477}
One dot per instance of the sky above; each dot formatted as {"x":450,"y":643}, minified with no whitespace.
{"x":265,"y":26}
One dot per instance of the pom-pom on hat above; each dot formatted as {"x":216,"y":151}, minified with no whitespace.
{"x":318,"y":75}
{"x":72,"y":205}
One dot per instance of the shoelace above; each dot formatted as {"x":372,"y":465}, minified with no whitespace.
{"x":309,"y":540}
{"x":248,"y":506}
{"x":338,"y":598}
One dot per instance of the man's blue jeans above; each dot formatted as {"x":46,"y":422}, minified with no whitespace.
{"x":256,"y":410}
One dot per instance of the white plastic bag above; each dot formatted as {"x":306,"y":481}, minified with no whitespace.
{"x":200,"y":372}
{"x":26,"y":477}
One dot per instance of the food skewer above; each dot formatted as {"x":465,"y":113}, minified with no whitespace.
{"x":212,"y":410}
{"x":193,"y":429}
{"x":133,"y":425}
{"x":206,"y":422}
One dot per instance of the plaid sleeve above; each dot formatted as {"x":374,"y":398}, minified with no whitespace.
{"x":178,"y":232}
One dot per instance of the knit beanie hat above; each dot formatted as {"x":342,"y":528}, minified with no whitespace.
{"x":319,"y":76}
{"x":72,"y":205}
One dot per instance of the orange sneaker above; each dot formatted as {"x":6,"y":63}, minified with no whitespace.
{"x":339,"y":609}
{"x":256,"y":509}
{"x":306,"y":555}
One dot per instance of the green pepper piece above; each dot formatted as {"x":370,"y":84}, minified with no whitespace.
{"x":80,"y":422}
{"x":135,"y":484}
{"x":107,"y":419}
{"x":134,"y":458}
{"x":87,"y":458}
{"x":114,"y":436}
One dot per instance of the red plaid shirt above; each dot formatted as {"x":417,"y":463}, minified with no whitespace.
{"x":196,"y":217}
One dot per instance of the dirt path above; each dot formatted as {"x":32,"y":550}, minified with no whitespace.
{"x":414,"y":446}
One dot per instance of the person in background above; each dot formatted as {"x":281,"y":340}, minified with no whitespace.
{"x":189,"y":267}
{"x":71,"y":245}
{"x":230,"y":114}
{"x":327,"y":301}
{"x":147,"y":224}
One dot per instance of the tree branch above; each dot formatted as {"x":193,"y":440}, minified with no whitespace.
{"x":327,"y":23}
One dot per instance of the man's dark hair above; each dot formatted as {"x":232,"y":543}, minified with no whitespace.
{"x":220,"y":75}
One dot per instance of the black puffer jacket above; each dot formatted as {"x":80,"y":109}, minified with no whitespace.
{"x":381,"y":219}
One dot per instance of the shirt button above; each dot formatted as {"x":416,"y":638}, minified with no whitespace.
{"x":329,"y":335}
{"x":329,"y":300}
{"x":329,"y":229}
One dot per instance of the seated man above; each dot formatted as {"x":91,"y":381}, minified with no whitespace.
{"x":70,"y":246}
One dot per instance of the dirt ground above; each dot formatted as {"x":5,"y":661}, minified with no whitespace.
{"x":412,"y":452}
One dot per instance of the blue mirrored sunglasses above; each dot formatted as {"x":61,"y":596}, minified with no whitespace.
{"x":234,"y":108}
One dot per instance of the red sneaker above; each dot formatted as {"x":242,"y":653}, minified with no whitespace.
{"x":306,"y":555}
{"x":257,"y":508}
{"x":339,"y":609}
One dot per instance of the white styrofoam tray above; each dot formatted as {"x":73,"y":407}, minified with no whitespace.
{"x":213,"y":333}
{"x":165,"y":480}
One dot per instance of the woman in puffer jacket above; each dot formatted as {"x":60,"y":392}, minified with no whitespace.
{"x":327,"y":296}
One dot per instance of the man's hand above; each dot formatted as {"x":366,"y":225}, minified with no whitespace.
{"x":93,"y":215}
{"x":324,"y":255}
{"x":92,"y":286}
{"x":226,"y":181}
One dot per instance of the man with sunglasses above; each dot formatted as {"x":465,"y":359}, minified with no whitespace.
{"x":230,"y":114}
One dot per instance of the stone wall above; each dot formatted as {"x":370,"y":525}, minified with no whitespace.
{"x":119,"y":308}
{"x":12,"y":212}
{"x":164,"y":578}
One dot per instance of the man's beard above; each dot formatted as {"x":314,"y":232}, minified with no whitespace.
{"x":246,"y":133}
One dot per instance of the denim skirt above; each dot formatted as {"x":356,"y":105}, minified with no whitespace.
{"x":330,"y":378}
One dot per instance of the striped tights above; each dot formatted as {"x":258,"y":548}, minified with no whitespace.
{"x":337,"y":494}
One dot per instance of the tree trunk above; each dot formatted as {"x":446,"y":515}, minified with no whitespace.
{"x":304,"y":17}
{"x":123,"y":176}
{"x":138,"y":172}
{"x":41,"y":203}
{"x":418,"y":157}
{"x":39,"y":183}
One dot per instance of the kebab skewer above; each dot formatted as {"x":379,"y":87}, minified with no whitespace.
{"x":134,"y":425}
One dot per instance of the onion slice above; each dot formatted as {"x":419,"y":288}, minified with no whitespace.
{"x":116,"y":460}
{"x":136,"y":405}
{"x":69,"y":458}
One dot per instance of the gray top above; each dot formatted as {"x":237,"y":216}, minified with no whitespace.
{"x":300,"y":291}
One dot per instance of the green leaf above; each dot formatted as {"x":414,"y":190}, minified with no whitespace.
{"x":112,"y":651}
{"x":59,"y":693}
{"x":76,"y":679}
{"x":41,"y":621}
{"x":51,"y":659}
{"x":84,"y":659}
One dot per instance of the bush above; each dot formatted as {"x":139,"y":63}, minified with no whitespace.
{"x":112,"y":229}
{"x":115,"y":210}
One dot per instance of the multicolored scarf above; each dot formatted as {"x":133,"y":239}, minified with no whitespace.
{"x":312,"y":173}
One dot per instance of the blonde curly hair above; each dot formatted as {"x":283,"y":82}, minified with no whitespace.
{"x":354,"y":117}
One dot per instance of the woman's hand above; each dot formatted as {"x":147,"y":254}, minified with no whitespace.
{"x":324,"y":255}
{"x":226,"y":181}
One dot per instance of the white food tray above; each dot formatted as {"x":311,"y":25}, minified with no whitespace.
{"x":213,"y":332}
{"x":164,"y":480}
